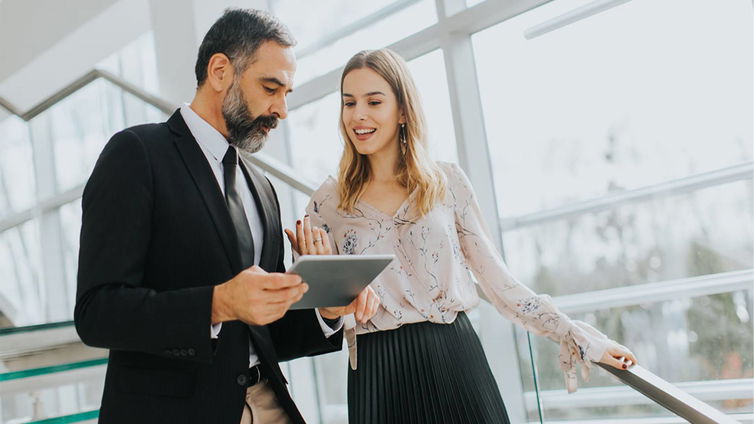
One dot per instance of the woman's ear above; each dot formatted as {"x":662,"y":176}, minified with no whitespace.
{"x":219,"y":72}
{"x":402,"y":118}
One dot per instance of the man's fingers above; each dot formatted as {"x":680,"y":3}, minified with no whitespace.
{"x":286,"y":295}
{"x":277,"y":280}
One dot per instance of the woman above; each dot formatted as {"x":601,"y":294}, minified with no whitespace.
{"x":419,"y":359}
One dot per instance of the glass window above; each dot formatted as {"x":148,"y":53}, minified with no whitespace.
{"x":17,"y":182}
{"x":21,"y":296}
{"x":599,"y":106}
{"x":701,"y":344}
{"x":381,"y":33}
{"x":428,"y":72}
{"x":70,"y":221}
{"x":704,"y":232}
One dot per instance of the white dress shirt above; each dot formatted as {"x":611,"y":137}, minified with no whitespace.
{"x":214,"y":145}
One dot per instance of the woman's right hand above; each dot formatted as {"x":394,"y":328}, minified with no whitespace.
{"x":309,"y":240}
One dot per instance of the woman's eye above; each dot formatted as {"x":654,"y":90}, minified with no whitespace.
{"x":374,"y":103}
{"x":348,"y":104}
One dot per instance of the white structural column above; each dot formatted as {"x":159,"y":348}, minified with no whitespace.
{"x":178,"y":27}
{"x":497,"y":334}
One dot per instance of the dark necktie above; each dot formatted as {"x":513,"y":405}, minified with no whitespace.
{"x":235,"y":207}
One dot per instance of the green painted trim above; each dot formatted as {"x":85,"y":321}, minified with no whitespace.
{"x":73,"y":418}
{"x":15,"y":375}
{"x":37,"y":327}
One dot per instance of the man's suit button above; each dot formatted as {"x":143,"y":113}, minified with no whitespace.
{"x":242,"y":379}
{"x":191,"y":351}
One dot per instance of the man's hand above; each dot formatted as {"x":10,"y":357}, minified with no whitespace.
{"x":363,"y":307}
{"x":256,"y":297}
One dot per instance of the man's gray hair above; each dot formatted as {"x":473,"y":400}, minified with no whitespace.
{"x":238,"y":34}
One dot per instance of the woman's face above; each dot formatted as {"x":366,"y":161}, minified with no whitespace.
{"x":370,"y":112}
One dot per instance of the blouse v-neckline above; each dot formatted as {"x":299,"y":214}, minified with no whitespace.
{"x":403,"y":206}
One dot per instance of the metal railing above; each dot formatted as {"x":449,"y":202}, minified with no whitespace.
{"x":645,"y":382}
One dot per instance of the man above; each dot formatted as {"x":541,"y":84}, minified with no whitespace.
{"x":181,"y":259}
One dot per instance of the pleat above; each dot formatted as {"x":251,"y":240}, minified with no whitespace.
{"x":424,"y":373}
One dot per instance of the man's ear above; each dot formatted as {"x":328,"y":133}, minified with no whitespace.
{"x":220,"y":72}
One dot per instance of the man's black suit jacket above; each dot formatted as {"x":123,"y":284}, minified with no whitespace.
{"x":156,"y":237}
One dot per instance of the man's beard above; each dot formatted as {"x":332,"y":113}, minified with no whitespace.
{"x":244,"y":131}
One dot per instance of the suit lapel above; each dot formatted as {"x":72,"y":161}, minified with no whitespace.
{"x":268,"y":212}
{"x":206,"y":182}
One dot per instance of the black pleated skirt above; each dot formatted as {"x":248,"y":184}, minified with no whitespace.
{"x":424,"y":373}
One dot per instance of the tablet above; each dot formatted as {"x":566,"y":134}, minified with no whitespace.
{"x":336,"y":280}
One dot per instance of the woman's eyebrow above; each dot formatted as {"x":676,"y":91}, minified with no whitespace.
{"x":371,"y":93}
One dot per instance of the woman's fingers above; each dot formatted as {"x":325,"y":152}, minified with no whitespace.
{"x":292,"y":240}
{"x":374,"y":304}
{"x":361,"y":306}
{"x":618,"y":357}
{"x":301,"y":238}
{"x":309,"y":238}
{"x":321,"y":238}
{"x":326,"y":242}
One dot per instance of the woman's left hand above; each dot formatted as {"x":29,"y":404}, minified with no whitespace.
{"x":363,"y":308}
{"x":618,"y":356}
{"x":309,"y":240}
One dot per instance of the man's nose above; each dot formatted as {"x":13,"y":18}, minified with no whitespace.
{"x":280,"y":108}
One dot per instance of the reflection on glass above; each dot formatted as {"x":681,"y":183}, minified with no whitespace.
{"x":17,"y":189}
{"x":598,"y":106}
{"x":379,"y":34}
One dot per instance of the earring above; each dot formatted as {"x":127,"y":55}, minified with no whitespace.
{"x":402,"y":137}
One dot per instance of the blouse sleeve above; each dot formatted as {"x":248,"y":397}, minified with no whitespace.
{"x":579,"y":342}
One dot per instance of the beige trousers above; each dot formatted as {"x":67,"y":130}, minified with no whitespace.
{"x":262,"y":406}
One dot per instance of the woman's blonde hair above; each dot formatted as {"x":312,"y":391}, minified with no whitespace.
{"x":416,"y":170}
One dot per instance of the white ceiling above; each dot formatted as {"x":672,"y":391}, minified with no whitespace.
{"x":30,"y":27}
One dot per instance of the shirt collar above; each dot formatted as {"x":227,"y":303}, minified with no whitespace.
{"x":205,"y":134}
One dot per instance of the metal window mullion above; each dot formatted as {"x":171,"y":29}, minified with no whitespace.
{"x":705,"y":285}
{"x":738,"y":172}
{"x":497,"y":335}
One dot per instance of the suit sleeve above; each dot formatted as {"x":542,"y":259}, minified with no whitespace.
{"x":115,"y":308}
{"x":298,"y":333}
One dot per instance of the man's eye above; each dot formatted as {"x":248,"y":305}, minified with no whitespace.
{"x":269,"y":90}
